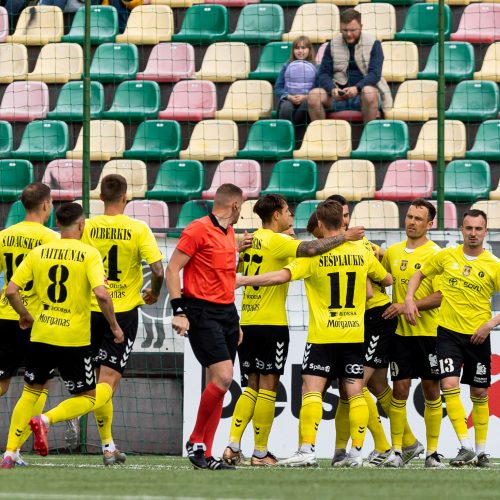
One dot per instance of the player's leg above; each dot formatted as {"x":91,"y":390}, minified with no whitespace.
{"x":342,"y":428}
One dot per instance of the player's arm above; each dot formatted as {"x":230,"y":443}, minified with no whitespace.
{"x":411,"y":309}
{"x":150,"y":295}
{"x":106,"y":305}
{"x":430,"y":302}
{"x":267,"y":279}
{"x":245,"y":241}
{"x":14,"y":297}
{"x":323,"y":245}
{"x":481,"y":334}
{"x":369,"y":289}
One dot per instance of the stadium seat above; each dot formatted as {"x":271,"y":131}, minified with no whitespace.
{"x":4,"y":24}
{"x":148,"y":25}
{"x":96,"y":207}
{"x":14,"y":176}
{"x":480,"y":23}
{"x":169,"y":62}
{"x":490,"y":69}
{"x":154,"y":213}
{"x":272,"y":58}
{"x":450,"y":215}
{"x":103,"y":25}
{"x":17,"y":213}
{"x":320,"y":52}
{"x":107,"y":140}
{"x":248,"y":219}
{"x":191,"y":100}
{"x":191,"y":210}
{"x":247,"y":100}
{"x":353,"y":179}
{"x":69,"y":105}
{"x":204,"y":24}
{"x":487,"y":142}
{"x":303,"y":211}
{"x":416,"y":100}
{"x":406,"y":180}
{"x":292,"y":3}
{"x":155,"y":140}
{"x":459,"y":62}
{"x":25,"y":102}
{"x":492,"y":210}
{"x":383,"y":140}
{"x":318,"y":21}
{"x":38,"y":25}
{"x":174,"y":4}
{"x":6,"y":138}
{"x":13,"y":62}
{"x":454,"y":141}
{"x":379,"y":19}
{"x":325,"y":140}
{"x":259,"y":23}
{"x":43,"y":140}
{"x":134,"y":171}
{"x":212,"y":140}
{"x":113,"y":62}
{"x":495,"y":195}
{"x":375,"y":214}
{"x":421,"y":24}
{"x":232,"y":3}
{"x":243,"y":173}
{"x":178,"y":180}
{"x":398,"y":2}
{"x":64,"y":177}
{"x":400,"y":61}
{"x":474,"y":101}
{"x":269,"y":139}
{"x":58,"y":63}
{"x":225,"y":62}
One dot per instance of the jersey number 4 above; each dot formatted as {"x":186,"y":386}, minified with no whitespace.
{"x":112,"y":260}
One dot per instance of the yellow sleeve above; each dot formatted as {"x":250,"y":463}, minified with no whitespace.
{"x":283,"y":246}
{"x":376,"y":271}
{"x":24,"y":273}
{"x":95,"y":269}
{"x":386,"y":263}
{"x":148,"y":247}
{"x":434,"y":265}
{"x":300,"y":268}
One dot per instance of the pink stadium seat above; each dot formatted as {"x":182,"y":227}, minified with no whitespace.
{"x":169,"y":62}
{"x":153,"y":212}
{"x":321,"y":51}
{"x":232,"y":3}
{"x":480,"y":23}
{"x":64,"y":177}
{"x":191,"y":100}
{"x":243,"y":173}
{"x":4,"y":24}
{"x":450,"y":215}
{"x":406,"y":180}
{"x":25,"y":102}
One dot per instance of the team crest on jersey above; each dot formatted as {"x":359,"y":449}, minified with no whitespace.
{"x":467,"y":270}
{"x":418,"y":265}
{"x":404,"y":265}
{"x":480,"y":274}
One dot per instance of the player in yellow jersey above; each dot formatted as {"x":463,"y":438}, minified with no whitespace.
{"x":264,"y":349}
{"x":64,"y":274}
{"x":123,"y":243}
{"x":469,"y":277}
{"x":15,"y":243}
{"x":336,"y":292}
{"x":413,"y":349}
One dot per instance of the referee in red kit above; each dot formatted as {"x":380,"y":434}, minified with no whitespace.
{"x":208,"y":253}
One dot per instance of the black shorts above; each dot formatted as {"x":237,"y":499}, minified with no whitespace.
{"x":214,"y":330}
{"x":455,"y":351}
{"x":264,"y":350}
{"x":378,"y":335}
{"x":105,"y":352}
{"x":333,"y":360}
{"x":413,"y":357}
{"x":74,"y":365}
{"x":13,"y":347}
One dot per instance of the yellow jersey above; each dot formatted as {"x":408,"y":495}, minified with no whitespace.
{"x":467,"y":285}
{"x":123,"y":243}
{"x":402,"y":263}
{"x":270,"y":251}
{"x":336,"y":291}
{"x":15,"y":243}
{"x":64,"y":273}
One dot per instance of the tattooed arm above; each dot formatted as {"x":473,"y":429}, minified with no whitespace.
{"x":322,"y":245}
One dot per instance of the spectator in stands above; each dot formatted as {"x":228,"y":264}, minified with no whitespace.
{"x":350,"y":74}
{"x":295,"y":80}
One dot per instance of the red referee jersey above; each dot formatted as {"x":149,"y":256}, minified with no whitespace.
{"x":210,"y":273}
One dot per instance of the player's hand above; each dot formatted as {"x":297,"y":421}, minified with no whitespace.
{"x":118,"y":334}
{"x":148,"y":297}
{"x":354,"y":233}
{"x":481,"y":334}
{"x":393,"y":311}
{"x":240,"y":338}
{"x":411,"y":311}
{"x":181,"y":325}
{"x":25,"y":321}
{"x":245,"y":242}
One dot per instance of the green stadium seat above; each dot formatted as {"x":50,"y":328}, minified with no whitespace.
{"x":191,"y":210}
{"x":114,"y":62}
{"x":14,"y":176}
{"x":290,"y":3}
{"x":398,"y":2}
{"x":156,"y":140}
{"x":43,"y":140}
{"x":303,"y":212}
{"x":135,"y":101}
{"x":259,"y":23}
{"x":459,"y":62}
{"x":421,"y":24}
{"x":17,"y":213}
{"x":272,"y":58}
{"x":178,"y":180}
{"x":204,"y":24}
{"x":69,"y":105}
{"x":5,"y":139}
{"x":383,"y":140}
{"x":269,"y":139}
{"x":103,"y":25}
{"x":487,"y":142}
{"x":474,"y":100}
{"x":296,"y":180}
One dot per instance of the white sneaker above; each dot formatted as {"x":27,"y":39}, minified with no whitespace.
{"x":300,"y":459}
{"x":354,"y":462}
{"x":339,"y":458}
{"x":434,"y":461}
{"x":395,"y":462}
{"x":413,"y":451}
{"x":376,"y":459}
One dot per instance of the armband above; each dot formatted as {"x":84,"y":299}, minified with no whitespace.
{"x":178,"y":306}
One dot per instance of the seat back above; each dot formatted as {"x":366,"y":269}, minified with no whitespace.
{"x":43,"y":140}
{"x":25,"y":101}
{"x":225,"y":62}
{"x":272,"y":58}
{"x":148,"y":25}
{"x":459,"y":62}
{"x":13,"y":62}
{"x":383,"y":140}
{"x":259,"y":23}
{"x":467,"y":180}
{"x":492,"y":210}
{"x":375,"y":214}
{"x":450,"y":215}
{"x":38,"y":25}
{"x":416,"y":100}
{"x":155,"y":140}
{"x":204,"y":24}
{"x":248,"y":219}
{"x":490,"y":69}
{"x":400,"y":61}
{"x":379,"y":19}
{"x":191,"y":210}
{"x":303,"y":212}
{"x":269,"y":139}
{"x":135,"y":100}
{"x":14,"y":176}
{"x":325,"y":140}
{"x":58,"y":63}
{"x":480,"y":23}
{"x":421,"y":23}
{"x":154,"y":213}
{"x":474,"y":100}
{"x":4,"y":24}
{"x":5,"y":139}
{"x":17,"y":213}
{"x":318,"y":21}
{"x":103,"y":25}
{"x":114,"y":62}
{"x":487,"y":142}
{"x":64,"y":177}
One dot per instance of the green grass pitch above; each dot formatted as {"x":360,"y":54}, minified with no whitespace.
{"x":75,"y":477}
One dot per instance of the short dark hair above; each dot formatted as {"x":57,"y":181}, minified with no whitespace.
{"x":312,"y":223}
{"x":474,"y":212}
{"x":267,"y":205}
{"x":34,"y":195}
{"x":338,"y":198}
{"x":330,"y":213}
{"x":227,"y":191}
{"x":113,"y":187}
{"x":68,"y":213}
{"x":431,"y":209}
{"x":349,"y":15}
